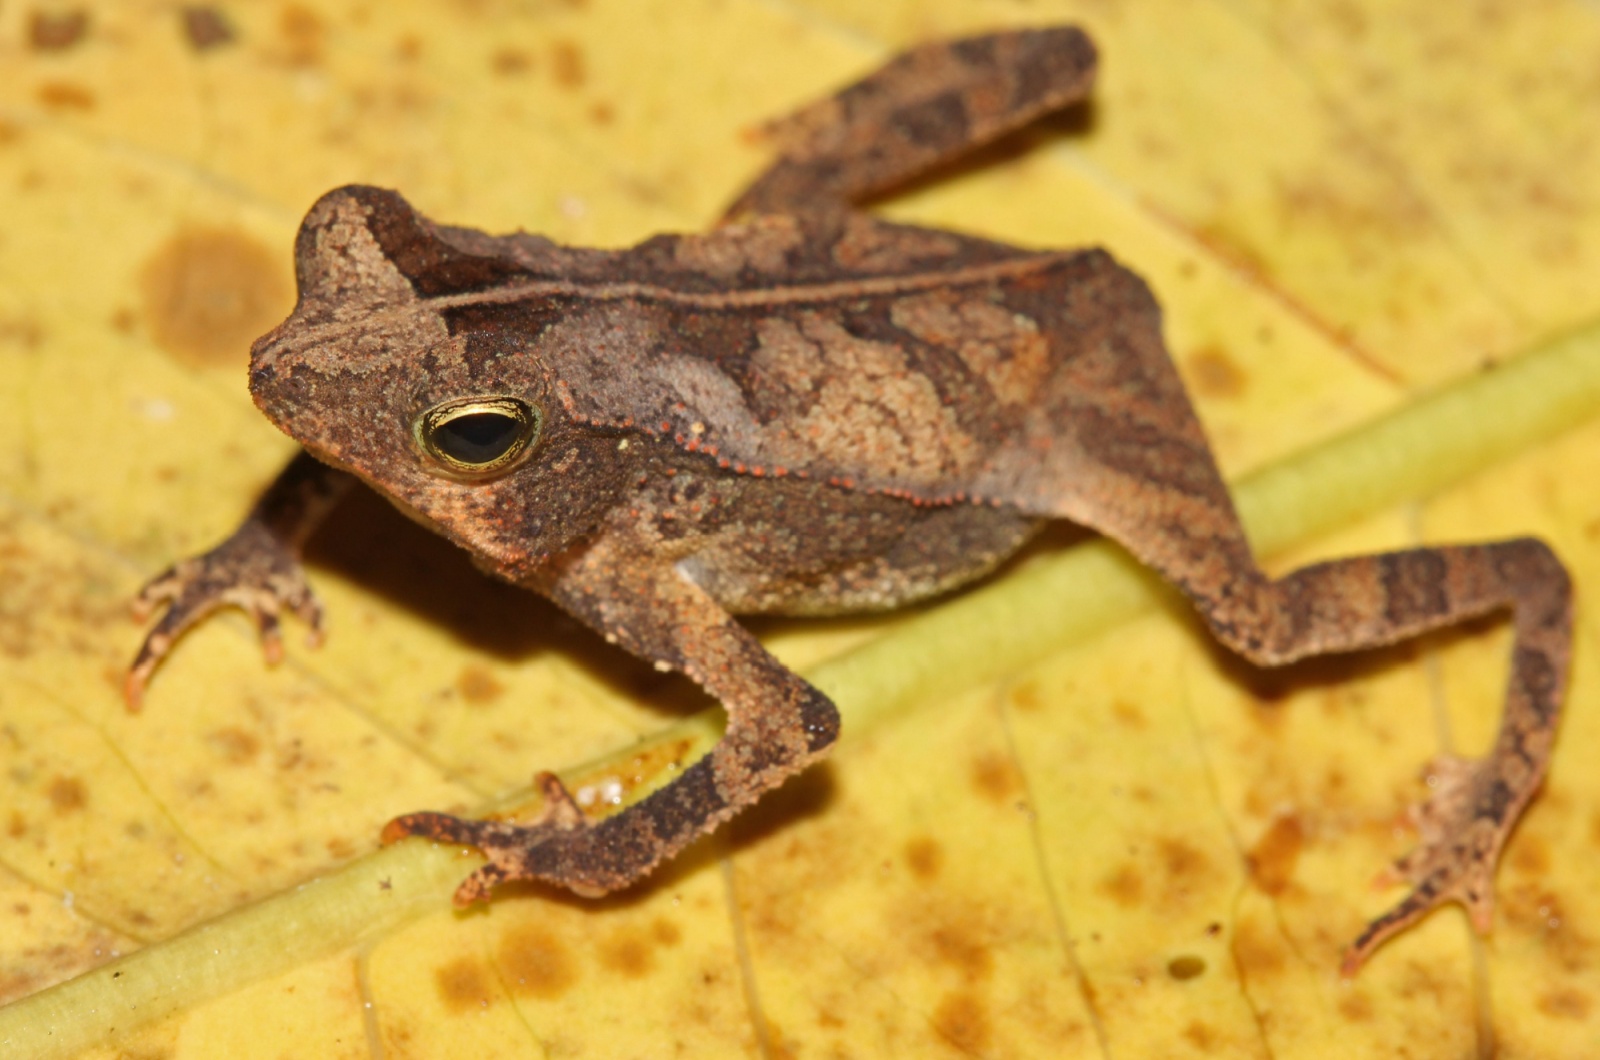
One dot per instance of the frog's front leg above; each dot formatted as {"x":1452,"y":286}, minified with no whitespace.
{"x":777,"y":724}
{"x":256,"y":568}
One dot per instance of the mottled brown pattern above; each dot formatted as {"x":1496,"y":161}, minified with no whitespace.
{"x":808,"y":410}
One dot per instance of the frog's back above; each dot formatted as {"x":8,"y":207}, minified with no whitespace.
{"x":879,"y":357}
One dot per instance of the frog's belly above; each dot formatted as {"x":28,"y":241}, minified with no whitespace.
{"x":863,"y":568}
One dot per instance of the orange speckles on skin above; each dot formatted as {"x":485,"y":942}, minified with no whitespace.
{"x":1272,"y":860}
{"x":536,"y":963}
{"x":463,"y":984}
{"x":66,"y":795}
{"x":924,"y":857}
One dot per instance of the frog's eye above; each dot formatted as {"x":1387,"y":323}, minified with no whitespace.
{"x":478,"y":436}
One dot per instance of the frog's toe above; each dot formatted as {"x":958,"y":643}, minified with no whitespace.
{"x":510,"y":848}
{"x":1462,"y":828}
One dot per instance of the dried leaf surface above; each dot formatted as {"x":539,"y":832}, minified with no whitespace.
{"x":1137,"y":846}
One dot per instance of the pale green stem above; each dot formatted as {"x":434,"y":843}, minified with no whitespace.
{"x":978,"y":637}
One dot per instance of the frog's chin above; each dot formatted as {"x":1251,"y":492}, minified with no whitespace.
{"x":488,"y":555}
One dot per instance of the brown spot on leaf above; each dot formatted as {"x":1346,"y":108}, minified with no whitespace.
{"x":1182,"y":859}
{"x":1530,"y":854}
{"x":962,"y":1019}
{"x":995,"y":777}
{"x":54,"y":31}
{"x":477,"y":685}
{"x":1025,"y":697}
{"x":208,"y":292}
{"x":1565,"y":1003}
{"x":1272,"y":860}
{"x":567,"y":65}
{"x":408,"y":49}
{"x":301,"y":30}
{"x":10,"y":132}
{"x":1355,"y":1007}
{"x":537,"y":963}
{"x":66,"y":794}
{"x":602,"y":113}
{"x":204,"y":27}
{"x":23,"y":331}
{"x":463,"y":984}
{"x":234,"y":746}
{"x":16,"y":825}
{"x":1124,"y":886}
{"x":1129,"y":714}
{"x":665,"y":931}
{"x":1186,"y":967}
{"x":925,"y":857}
{"x":629,"y":954}
{"x":1256,"y":952}
{"x":1214,"y":374}
{"x":510,"y":62}
{"x":64,"y":95}
{"x":954,"y":946}
{"x":1200,"y":1035}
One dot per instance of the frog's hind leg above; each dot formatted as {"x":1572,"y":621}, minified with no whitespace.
{"x":1115,"y":445}
{"x":925,"y":107}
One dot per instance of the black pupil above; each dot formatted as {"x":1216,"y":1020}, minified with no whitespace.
{"x":477,"y":437}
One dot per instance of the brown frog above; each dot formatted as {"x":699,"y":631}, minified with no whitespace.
{"x":808,"y":411}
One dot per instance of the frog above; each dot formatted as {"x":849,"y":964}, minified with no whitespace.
{"x":809,"y":410}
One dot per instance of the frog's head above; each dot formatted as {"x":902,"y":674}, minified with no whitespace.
{"x":411,"y":359}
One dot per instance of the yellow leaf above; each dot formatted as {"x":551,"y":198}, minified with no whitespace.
{"x":1063,"y":823}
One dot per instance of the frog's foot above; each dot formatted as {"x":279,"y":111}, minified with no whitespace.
{"x":1461,"y":830}
{"x":250,"y":570}
{"x":512,"y":850}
